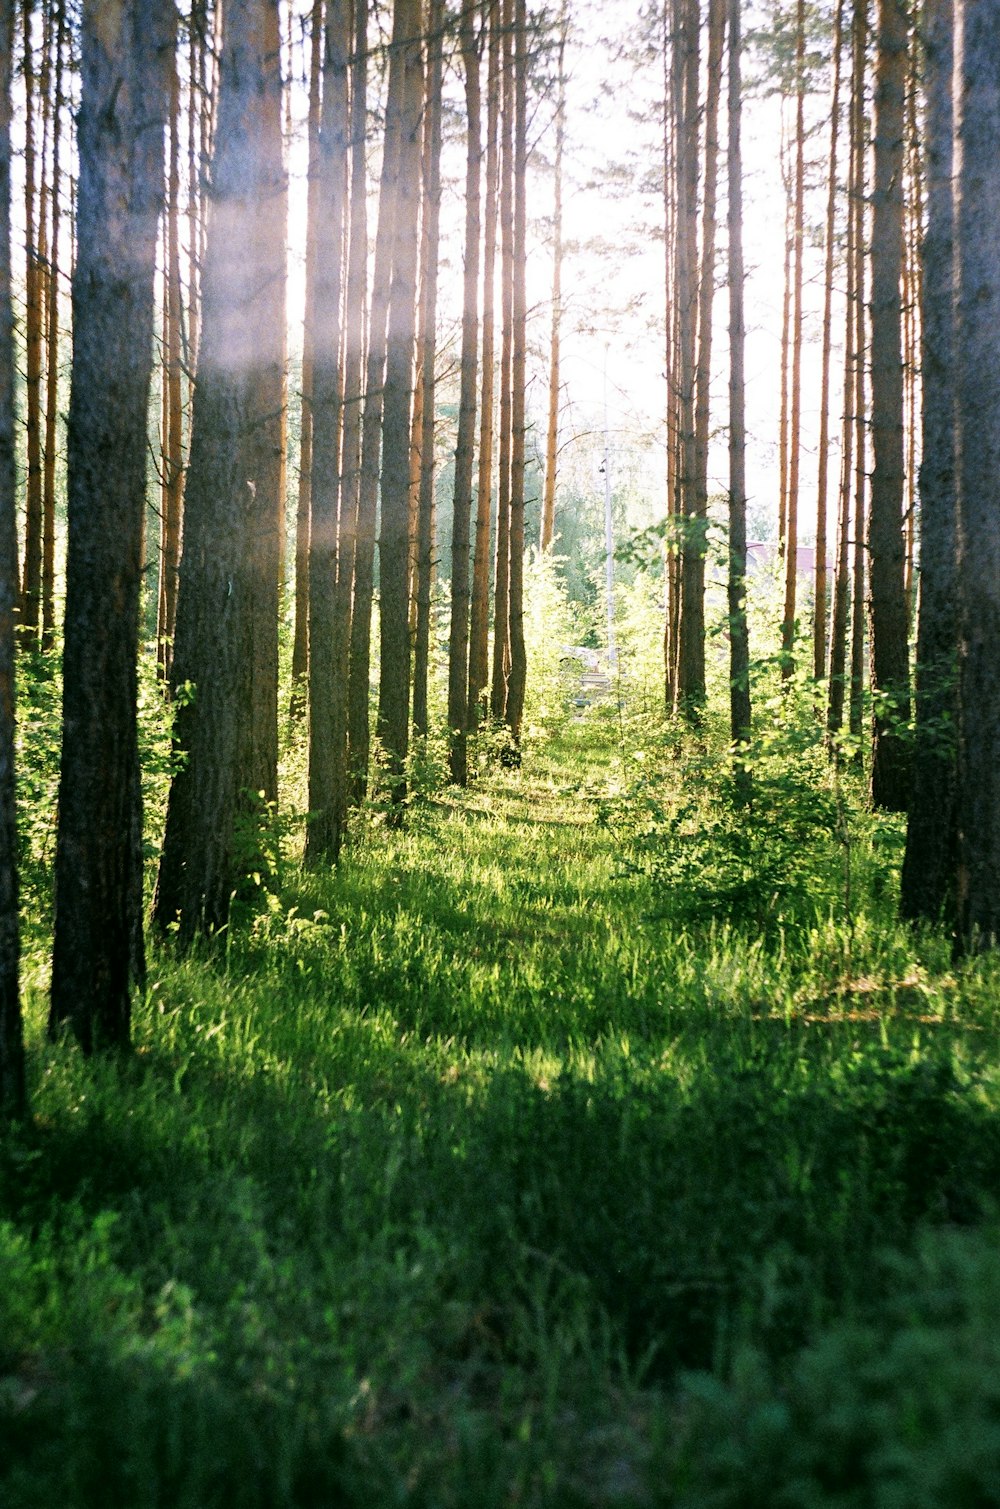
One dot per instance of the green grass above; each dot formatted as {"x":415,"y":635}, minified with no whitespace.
{"x":492,"y":1170}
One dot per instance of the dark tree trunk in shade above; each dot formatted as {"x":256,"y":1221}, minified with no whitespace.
{"x":12,"y":1088}
{"x":125,"y":70}
{"x":886,"y":557}
{"x":977,"y":372}
{"x":458,"y":640}
{"x":927,"y":888}
{"x":327,"y":688}
{"x":229,"y":561}
{"x":404,"y":103}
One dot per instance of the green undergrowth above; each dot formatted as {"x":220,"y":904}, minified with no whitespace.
{"x":563,"y":1149}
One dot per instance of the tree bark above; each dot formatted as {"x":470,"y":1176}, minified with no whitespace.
{"x":552,"y":431}
{"x":517,"y":682}
{"x":690,"y":688}
{"x":327,"y":691}
{"x":977,"y":372}
{"x":52,"y":280}
{"x":371,"y":451}
{"x":458,"y":637}
{"x":126,"y":52}
{"x":31,"y":577}
{"x":479,"y":670}
{"x":822,"y":480}
{"x":889,"y":652}
{"x":928,"y":877}
{"x":404,"y":104}
{"x":739,"y":645}
{"x":795,"y":415}
{"x":501,"y":569}
{"x":300,"y":641}
{"x":172,"y":457}
{"x":227,"y":565}
{"x":13,"y":1098}
{"x":426,"y":356}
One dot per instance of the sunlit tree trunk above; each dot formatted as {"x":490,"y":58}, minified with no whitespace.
{"x":300,"y":641}
{"x":31,"y":577}
{"x":371,"y":451}
{"x":859,"y":200}
{"x":927,"y":887}
{"x":269,"y":551}
{"x":517,"y":681}
{"x":853,"y":360}
{"x":889,"y":655}
{"x":228,"y":565}
{"x":126,"y":51}
{"x":552,"y":430}
{"x":795,"y":406}
{"x":739,"y":645}
{"x":501,"y":569}
{"x":13,"y":1101}
{"x":426,"y":356}
{"x":353,"y":362}
{"x":404,"y":102}
{"x":479,"y":668}
{"x":458,"y":637}
{"x":822,"y":480}
{"x":694,"y":603}
{"x":327,"y":692}
{"x":690,"y":686}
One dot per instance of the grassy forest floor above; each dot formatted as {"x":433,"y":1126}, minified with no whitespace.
{"x":583,"y":1144}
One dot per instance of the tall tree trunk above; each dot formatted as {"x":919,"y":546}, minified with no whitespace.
{"x":739,"y":645}
{"x":300,"y":641}
{"x":928,"y":877}
{"x":889,"y":653}
{"x":354,"y":356}
{"x":977,"y":372}
{"x":31,"y":579}
{"x":371,"y":450}
{"x":501,"y":569}
{"x":479,"y":669}
{"x":853,"y":359}
{"x":691,"y":641}
{"x":228,"y":560}
{"x":52,"y":342}
{"x":426,"y":356}
{"x":268,"y":552}
{"x":694,"y":601}
{"x":404,"y":103}
{"x":327,"y":691}
{"x":859,"y":200}
{"x":822,"y":480}
{"x":552,"y":431}
{"x":517,"y":682}
{"x":172,"y":491}
{"x":13,"y":1098}
{"x":795,"y":417}
{"x":126,"y":52}
{"x":458,"y":637}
